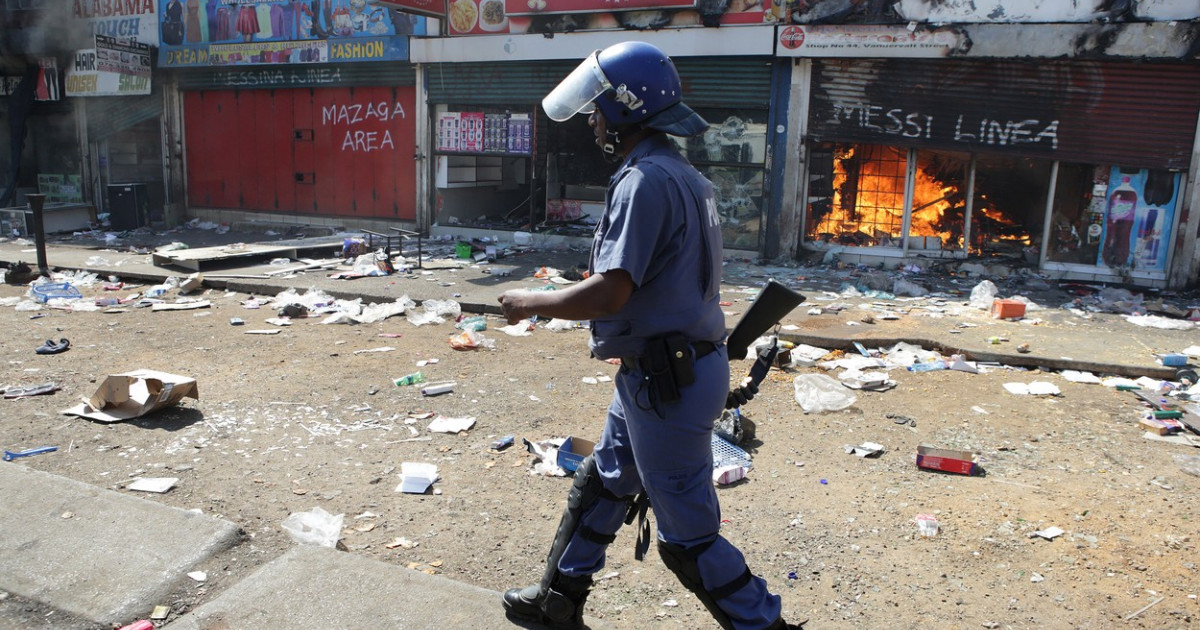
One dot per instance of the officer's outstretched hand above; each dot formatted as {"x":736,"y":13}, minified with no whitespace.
{"x":514,"y":305}
{"x":741,"y":394}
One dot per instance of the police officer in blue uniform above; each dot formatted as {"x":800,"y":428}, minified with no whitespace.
{"x":652,"y":300}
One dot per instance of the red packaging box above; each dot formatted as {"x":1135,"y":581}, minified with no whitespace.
{"x":947,"y":460}
{"x":1008,"y":309}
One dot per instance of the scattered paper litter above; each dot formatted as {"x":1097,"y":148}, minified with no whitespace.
{"x":379,"y":349}
{"x":153,"y":484}
{"x":1050,"y":533}
{"x":199,"y":576}
{"x":442,"y":424}
{"x":1076,"y":376}
{"x":274,"y":331}
{"x":416,"y":477}
{"x":866,"y":449}
{"x":1036,"y":388}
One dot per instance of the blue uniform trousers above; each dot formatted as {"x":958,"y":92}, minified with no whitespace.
{"x":671,"y":459}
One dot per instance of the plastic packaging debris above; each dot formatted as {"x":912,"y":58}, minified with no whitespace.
{"x":562,"y":325}
{"x":416,"y":477}
{"x":469,"y":340}
{"x":960,"y":363}
{"x":733,"y":426}
{"x":409,"y":379}
{"x":437,"y":389}
{"x":983,"y":294}
{"x":519,"y":329}
{"x":927,"y":525}
{"x":725,"y":475}
{"x":546,"y":452}
{"x":314,"y":527}
{"x":1163,"y":323}
{"x":804,"y":355}
{"x":819,"y":392}
{"x":871,"y":381}
{"x":866,"y":449}
{"x":909,"y":288}
{"x":931,"y":366}
{"x":1036,"y":388}
{"x":476,"y":323}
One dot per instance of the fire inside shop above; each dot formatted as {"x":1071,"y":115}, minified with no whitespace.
{"x":858,"y":193}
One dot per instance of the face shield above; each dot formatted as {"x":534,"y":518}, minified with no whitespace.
{"x":574,"y":95}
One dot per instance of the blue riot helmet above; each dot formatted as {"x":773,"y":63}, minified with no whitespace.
{"x":633,"y":83}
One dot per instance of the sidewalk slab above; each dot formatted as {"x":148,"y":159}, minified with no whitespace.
{"x":316,"y":588}
{"x":110,"y":558}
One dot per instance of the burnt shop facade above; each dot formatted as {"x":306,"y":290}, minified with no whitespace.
{"x":497,"y":163}
{"x":1083,"y":168}
{"x":324,"y":144}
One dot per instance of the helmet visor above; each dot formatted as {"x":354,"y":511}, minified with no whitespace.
{"x":575,"y":93}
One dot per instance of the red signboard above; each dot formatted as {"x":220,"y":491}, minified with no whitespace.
{"x":792,"y":37}
{"x":431,"y":8}
{"x":534,"y":7}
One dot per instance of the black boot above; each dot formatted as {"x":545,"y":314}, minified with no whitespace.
{"x":557,"y":601}
{"x":780,"y":624}
{"x":559,"y":606}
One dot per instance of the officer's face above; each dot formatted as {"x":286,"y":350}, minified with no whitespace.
{"x":599,"y":127}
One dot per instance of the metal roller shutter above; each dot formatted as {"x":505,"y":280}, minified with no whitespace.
{"x":1132,"y":114}
{"x":107,"y":115}
{"x":707,"y":82}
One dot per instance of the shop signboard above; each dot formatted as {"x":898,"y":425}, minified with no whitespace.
{"x":535,"y":7}
{"x":239,"y":33}
{"x":115,"y":67}
{"x":484,"y":17}
{"x":832,"y":40}
{"x":429,"y":8}
{"x":125,"y":19}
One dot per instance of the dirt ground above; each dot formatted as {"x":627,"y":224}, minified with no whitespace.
{"x":302,"y":419}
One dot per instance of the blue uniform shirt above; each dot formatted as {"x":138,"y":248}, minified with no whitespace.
{"x":660,"y":225}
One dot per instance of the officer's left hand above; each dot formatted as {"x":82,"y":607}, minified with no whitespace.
{"x":741,"y":394}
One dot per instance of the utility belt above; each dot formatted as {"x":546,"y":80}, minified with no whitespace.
{"x":668,"y":364}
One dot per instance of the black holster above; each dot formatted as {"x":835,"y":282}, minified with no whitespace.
{"x":668,"y":366}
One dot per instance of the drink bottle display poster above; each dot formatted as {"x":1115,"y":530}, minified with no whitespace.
{"x":1139,"y":211}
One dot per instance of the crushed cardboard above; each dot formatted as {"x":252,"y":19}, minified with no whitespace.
{"x":134,"y":394}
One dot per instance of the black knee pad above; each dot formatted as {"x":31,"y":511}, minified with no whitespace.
{"x":683,"y":563}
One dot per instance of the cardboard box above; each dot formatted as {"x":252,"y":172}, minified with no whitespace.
{"x":135,"y":394}
{"x":947,"y":460}
{"x":1008,"y":309}
{"x":572,"y":452}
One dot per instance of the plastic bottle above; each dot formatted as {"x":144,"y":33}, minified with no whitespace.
{"x":1122,"y":202}
{"x":410,"y":379}
{"x":927,"y":367}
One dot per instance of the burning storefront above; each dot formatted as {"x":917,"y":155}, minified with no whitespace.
{"x":857,"y":198}
{"x":1061,"y":164}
